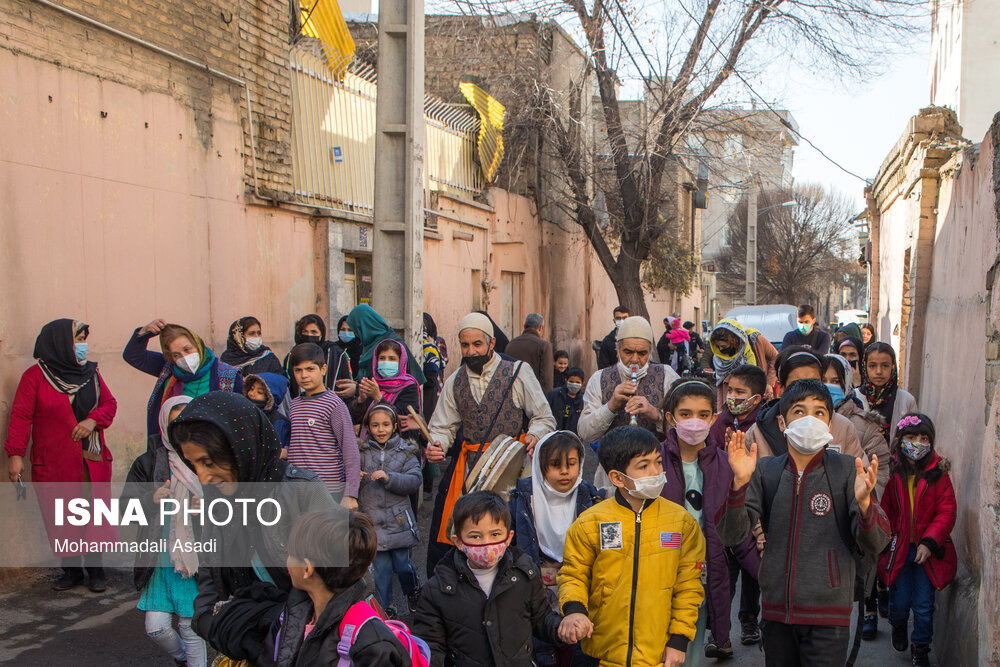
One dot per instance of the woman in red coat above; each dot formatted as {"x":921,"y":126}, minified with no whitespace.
{"x":920,"y":503}
{"x":63,"y":407}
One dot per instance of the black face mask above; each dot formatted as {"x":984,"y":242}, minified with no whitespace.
{"x":728,"y":351}
{"x":477,"y":362}
{"x":307,"y":339}
{"x":259,"y":404}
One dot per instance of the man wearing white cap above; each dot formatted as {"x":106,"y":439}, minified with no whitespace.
{"x":612,"y":398}
{"x":487,"y":397}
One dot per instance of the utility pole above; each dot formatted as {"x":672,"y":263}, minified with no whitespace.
{"x":397,"y":258}
{"x":751,"y":279}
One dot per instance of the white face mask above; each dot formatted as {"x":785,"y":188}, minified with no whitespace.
{"x":189,"y":363}
{"x":626,"y":371}
{"x":254,"y":343}
{"x":808,"y":435}
{"x":574,"y":387}
{"x":647,"y":487}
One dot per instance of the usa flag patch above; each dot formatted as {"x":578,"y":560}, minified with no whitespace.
{"x":670,"y":540}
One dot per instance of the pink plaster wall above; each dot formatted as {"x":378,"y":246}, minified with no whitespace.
{"x":118,"y":220}
{"x":966,"y":247}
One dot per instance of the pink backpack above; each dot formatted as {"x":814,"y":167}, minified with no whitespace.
{"x":361,"y":613}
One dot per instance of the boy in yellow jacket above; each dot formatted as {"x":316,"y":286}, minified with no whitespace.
{"x":630,"y":582}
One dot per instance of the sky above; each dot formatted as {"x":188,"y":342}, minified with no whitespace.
{"x":855,"y":124}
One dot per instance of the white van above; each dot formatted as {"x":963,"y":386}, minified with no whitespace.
{"x":774,"y":320}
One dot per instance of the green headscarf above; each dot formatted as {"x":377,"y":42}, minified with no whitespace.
{"x":371,"y":329}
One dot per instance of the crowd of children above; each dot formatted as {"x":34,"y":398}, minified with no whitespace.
{"x":803,"y":500}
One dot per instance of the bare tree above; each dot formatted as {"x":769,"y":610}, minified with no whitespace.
{"x":686,"y":54}
{"x":802,"y":249}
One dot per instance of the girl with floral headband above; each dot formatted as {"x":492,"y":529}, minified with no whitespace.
{"x":919,"y":502}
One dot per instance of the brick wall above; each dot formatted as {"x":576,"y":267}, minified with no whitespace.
{"x":247,"y":40}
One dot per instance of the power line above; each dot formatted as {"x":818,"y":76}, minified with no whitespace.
{"x":770,"y":108}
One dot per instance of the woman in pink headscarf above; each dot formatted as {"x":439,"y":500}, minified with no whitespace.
{"x":389,"y":383}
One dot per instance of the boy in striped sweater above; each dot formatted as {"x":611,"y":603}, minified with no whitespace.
{"x":323,"y":439}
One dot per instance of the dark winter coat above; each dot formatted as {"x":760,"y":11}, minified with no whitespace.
{"x":565,"y":408}
{"x":375,"y":645}
{"x":934,"y":498}
{"x":151,"y":467}
{"x":807,"y":572}
{"x":308,"y":494}
{"x":535,"y":351}
{"x":717,"y":480}
{"x":817,"y":339}
{"x":275,"y":388}
{"x":525,"y":537}
{"x":387,"y":502}
{"x":608,"y":353}
{"x":464,"y":628}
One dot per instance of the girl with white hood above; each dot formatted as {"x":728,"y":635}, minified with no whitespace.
{"x":542,"y":507}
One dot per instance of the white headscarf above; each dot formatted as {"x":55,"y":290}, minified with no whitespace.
{"x":554,"y":511}
{"x":183,"y":484}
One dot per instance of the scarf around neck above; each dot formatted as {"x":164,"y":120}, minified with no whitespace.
{"x":881,"y":398}
{"x":236,"y":353}
{"x":184,"y":485}
{"x":55,"y":353}
{"x":723,"y":364}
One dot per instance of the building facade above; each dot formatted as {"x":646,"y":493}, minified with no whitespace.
{"x":965,"y":54}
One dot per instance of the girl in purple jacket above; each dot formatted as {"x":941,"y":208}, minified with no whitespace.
{"x":698,"y":477}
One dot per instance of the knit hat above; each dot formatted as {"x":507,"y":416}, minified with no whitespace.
{"x":476,"y":321}
{"x":635,"y":327}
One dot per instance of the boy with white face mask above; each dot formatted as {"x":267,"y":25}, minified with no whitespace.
{"x":824,"y":519}
{"x":630,"y":582}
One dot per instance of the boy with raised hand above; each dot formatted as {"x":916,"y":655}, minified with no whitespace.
{"x":630,"y":583}
{"x":819,"y":503}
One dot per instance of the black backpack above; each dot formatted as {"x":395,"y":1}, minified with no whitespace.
{"x":839,"y":469}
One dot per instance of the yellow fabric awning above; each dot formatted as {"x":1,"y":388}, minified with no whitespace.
{"x":490,"y":140}
{"x":323,"y":20}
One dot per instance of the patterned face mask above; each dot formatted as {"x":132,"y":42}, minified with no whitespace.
{"x":914,"y":450}
{"x":739,"y":406}
{"x":485,"y":556}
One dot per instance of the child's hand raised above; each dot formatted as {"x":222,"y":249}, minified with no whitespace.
{"x":864,"y":482}
{"x":575,"y":627}
{"x":742,"y":463}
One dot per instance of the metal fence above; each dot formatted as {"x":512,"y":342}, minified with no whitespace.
{"x":333,"y":139}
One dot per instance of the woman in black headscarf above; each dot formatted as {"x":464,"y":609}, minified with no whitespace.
{"x":246,"y":351}
{"x":499,"y":337}
{"x":62,"y":406}
{"x":340,"y":370}
{"x":347,"y":341}
{"x":228,"y":442}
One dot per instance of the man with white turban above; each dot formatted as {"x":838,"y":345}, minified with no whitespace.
{"x":611,"y":397}
{"x":488,"y":396}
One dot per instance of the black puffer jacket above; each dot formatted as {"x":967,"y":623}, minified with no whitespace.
{"x":151,"y":467}
{"x":375,"y":645}
{"x":464,"y":628}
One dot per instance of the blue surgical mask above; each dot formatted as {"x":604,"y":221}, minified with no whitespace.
{"x":81,"y":351}
{"x":836,"y":393}
{"x":388,"y":369}
{"x":345,"y":336}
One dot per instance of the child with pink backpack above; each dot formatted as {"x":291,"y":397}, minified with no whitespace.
{"x":326,"y":620}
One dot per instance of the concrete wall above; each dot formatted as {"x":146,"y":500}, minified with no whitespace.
{"x":956,"y":372}
{"x":966,"y":237}
{"x":138,"y":214}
